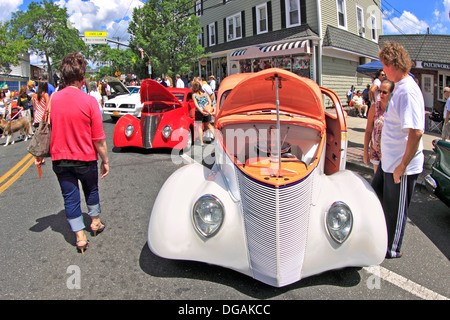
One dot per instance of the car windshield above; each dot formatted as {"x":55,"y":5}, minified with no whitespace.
{"x":254,"y":147}
{"x":133,"y":89}
{"x":179,"y":96}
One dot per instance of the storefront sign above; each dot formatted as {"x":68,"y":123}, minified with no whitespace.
{"x":435,"y":65}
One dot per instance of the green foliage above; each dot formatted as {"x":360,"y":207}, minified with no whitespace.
{"x":118,"y":60}
{"x":44,"y":26}
{"x":11,"y":48}
{"x":167,"y":31}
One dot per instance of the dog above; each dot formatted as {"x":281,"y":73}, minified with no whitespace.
{"x":10,"y":127}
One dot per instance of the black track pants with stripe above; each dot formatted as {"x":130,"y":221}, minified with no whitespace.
{"x":395,"y":199}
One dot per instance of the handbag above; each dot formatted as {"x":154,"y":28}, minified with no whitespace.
{"x":40,"y":143}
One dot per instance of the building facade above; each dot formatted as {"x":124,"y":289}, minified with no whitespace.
{"x":19,"y":74}
{"x":431,"y":67}
{"x":324,"y":40}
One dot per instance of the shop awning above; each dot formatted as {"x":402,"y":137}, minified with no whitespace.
{"x":290,"y":47}
{"x":287,"y":46}
{"x":238,"y":53}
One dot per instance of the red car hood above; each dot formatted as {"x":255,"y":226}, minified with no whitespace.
{"x":297,"y":95}
{"x":153,"y":91}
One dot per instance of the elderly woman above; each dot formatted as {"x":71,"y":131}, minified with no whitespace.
{"x":77,"y":140}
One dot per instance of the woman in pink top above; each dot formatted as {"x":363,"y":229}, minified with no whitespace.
{"x":77,"y":140}
{"x":40,"y":100}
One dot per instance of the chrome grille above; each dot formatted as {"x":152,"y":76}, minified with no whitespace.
{"x":149,"y":129}
{"x":276,"y":225}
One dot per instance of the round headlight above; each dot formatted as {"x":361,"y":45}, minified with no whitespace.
{"x":207,"y":215}
{"x":129,"y":130}
{"x":339,"y":221}
{"x":166,"y":131}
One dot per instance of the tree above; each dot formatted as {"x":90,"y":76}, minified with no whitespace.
{"x":11,"y":48}
{"x":45,"y":26}
{"x":118,"y":60}
{"x":167,"y":32}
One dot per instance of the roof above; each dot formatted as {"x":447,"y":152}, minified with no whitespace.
{"x":423,"y":47}
{"x":342,"y":39}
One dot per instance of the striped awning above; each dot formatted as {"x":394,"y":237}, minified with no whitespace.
{"x":238,"y":53}
{"x":287,"y":46}
{"x":291,"y":47}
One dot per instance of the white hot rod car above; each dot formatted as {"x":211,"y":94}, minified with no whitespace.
{"x":278,"y":204}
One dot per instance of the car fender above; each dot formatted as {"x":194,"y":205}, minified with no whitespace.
{"x":367,"y":243}
{"x":120,"y":139}
{"x":171,"y":233}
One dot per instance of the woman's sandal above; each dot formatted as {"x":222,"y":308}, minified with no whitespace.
{"x":97,"y":228}
{"x":82,"y":248}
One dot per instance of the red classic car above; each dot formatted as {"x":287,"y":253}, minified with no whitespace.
{"x":167,"y":119}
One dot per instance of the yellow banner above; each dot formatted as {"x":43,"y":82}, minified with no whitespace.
{"x":95,"y":33}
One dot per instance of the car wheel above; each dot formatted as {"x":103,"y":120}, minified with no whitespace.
{"x":189,"y":142}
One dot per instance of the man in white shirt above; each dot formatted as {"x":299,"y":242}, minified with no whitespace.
{"x":401,"y":145}
{"x":446,"y":127}
{"x":179,"y":83}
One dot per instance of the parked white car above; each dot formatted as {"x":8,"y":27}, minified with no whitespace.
{"x":278,"y":205}
{"x":122,"y":100}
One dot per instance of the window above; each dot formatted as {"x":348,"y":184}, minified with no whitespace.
{"x":198,"y":8}
{"x":360,"y":21}
{"x":293,"y":13}
{"x":261,"y":18}
{"x":234,"y":27}
{"x":373,"y":25}
{"x":342,"y":15}
{"x":444,"y":81}
{"x":212,"y":34}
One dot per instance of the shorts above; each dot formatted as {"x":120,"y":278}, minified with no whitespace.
{"x":200,"y":117}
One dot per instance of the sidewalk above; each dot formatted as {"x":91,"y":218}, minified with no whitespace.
{"x":356,"y":129}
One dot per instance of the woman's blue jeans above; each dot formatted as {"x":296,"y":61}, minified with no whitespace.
{"x":68,"y":178}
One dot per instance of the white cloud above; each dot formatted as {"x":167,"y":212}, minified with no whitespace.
{"x":7,"y":7}
{"x":111,"y":16}
{"x":441,"y":19}
{"x":407,"y":23}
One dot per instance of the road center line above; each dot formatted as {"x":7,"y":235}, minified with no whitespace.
{"x":13,"y":169}
{"x":17,"y":175}
{"x":404,"y":283}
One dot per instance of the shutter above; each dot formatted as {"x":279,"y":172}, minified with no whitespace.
{"x":225,"y":30}
{"x":216,"y":33}
{"x":303,"y":11}
{"x":208,"y":44}
{"x":243,"y":23}
{"x":283,"y":14}
{"x":269,"y":15}
{"x":203,"y":35}
{"x":255,"y":30}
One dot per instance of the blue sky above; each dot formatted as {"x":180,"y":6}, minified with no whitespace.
{"x":415,"y":16}
{"x":400,"y":16}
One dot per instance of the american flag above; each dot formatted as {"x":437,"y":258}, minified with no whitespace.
{"x":141,"y":51}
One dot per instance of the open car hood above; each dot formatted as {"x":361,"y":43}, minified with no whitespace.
{"x":117,"y":85}
{"x":297,"y":95}
{"x":153,"y":91}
